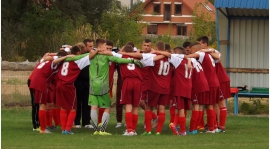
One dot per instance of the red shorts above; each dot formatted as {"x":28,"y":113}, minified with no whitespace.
{"x":225,"y":90}
{"x":41,"y":97}
{"x":66,"y":96}
{"x":52,"y":96}
{"x":155,"y":99}
{"x":182,"y":103}
{"x":214,"y":95}
{"x":200,"y":98}
{"x":144,"y":95}
{"x":131,"y":91}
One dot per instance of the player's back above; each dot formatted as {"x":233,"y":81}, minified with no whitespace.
{"x":209,"y":69}
{"x":160,"y":76}
{"x":182,"y":79}
{"x":221,"y":73}
{"x":130,"y":70}
{"x":40,"y":76}
{"x":198,"y":77}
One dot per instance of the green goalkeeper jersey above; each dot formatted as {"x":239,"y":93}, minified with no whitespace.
{"x":99,"y":73}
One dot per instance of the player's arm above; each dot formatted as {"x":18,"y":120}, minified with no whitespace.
{"x":93,"y":53}
{"x":135,"y":54}
{"x":164,"y":53}
{"x":214,"y":53}
{"x":194,"y":55}
{"x":48,"y":58}
{"x":124,"y":60}
{"x":60,"y":59}
{"x":158,"y":57}
{"x":75,"y":58}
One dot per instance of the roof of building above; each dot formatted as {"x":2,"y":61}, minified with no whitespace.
{"x":244,"y":4}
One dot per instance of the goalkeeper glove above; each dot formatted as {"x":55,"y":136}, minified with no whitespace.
{"x":137,"y":62}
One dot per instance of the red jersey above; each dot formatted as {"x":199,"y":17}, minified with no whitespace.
{"x":221,"y":73}
{"x":161,"y":74}
{"x":182,"y":76}
{"x":145,"y":78}
{"x":199,"y":81}
{"x":69,"y":71}
{"x":130,"y":70}
{"x":41,"y":75}
{"x":209,"y":69}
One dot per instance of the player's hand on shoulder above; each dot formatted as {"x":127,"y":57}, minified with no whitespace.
{"x":71,"y":55}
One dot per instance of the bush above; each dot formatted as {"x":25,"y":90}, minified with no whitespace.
{"x":256,"y":107}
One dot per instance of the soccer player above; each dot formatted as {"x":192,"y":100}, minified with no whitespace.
{"x":82,"y":89}
{"x":200,"y":93}
{"x":182,"y":85}
{"x":99,"y":86}
{"x":146,"y":49}
{"x":158,"y":89}
{"x":224,"y":81}
{"x":208,"y":66}
{"x":39,"y":82}
{"x":132,"y":78}
{"x":65,"y":89}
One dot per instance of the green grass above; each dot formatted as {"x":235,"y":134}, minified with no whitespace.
{"x":241,"y":132}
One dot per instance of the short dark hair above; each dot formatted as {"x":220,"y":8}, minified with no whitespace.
{"x":167,"y":47}
{"x":131,"y":44}
{"x":62,"y":53}
{"x":100,"y":41}
{"x":186,"y":44}
{"x":194,"y":44}
{"x":128,"y":48}
{"x":147,"y":40}
{"x":160,"y":45}
{"x":109,"y":42}
{"x":203,"y":39}
{"x":87,"y":40}
{"x":182,"y":50}
{"x":75,"y":49}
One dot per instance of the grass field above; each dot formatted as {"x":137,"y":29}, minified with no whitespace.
{"x":242,"y":132}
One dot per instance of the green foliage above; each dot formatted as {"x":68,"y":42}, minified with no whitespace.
{"x":204,"y":24}
{"x":255,"y":108}
{"x":120,"y":27}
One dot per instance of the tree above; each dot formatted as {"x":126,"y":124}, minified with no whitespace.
{"x":204,"y":24}
{"x":119,"y":26}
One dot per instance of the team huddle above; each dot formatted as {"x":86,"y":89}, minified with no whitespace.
{"x":151,"y":78}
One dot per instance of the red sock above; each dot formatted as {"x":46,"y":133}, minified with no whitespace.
{"x":42,"y":119}
{"x":193,"y":120}
{"x":55,"y":117}
{"x":63,"y":118}
{"x":58,"y":115}
{"x":222,"y":117}
{"x":70,"y":120}
{"x":210,"y":119}
{"x":49,"y":117}
{"x":134,"y":121}
{"x":202,"y":119}
{"x":199,"y":119}
{"x":161,"y":120}
{"x":154,"y":116}
{"x":215,"y":121}
{"x":100,"y":113}
{"x":147,"y":120}
{"x":172,"y":114}
{"x":182,"y":124}
{"x":175,"y":120}
{"x":128,"y":119}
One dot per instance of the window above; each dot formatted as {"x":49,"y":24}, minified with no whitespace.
{"x":152,"y":29}
{"x":167,"y":12}
{"x":182,"y":30}
{"x":178,"y":9}
{"x":156,"y":8}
